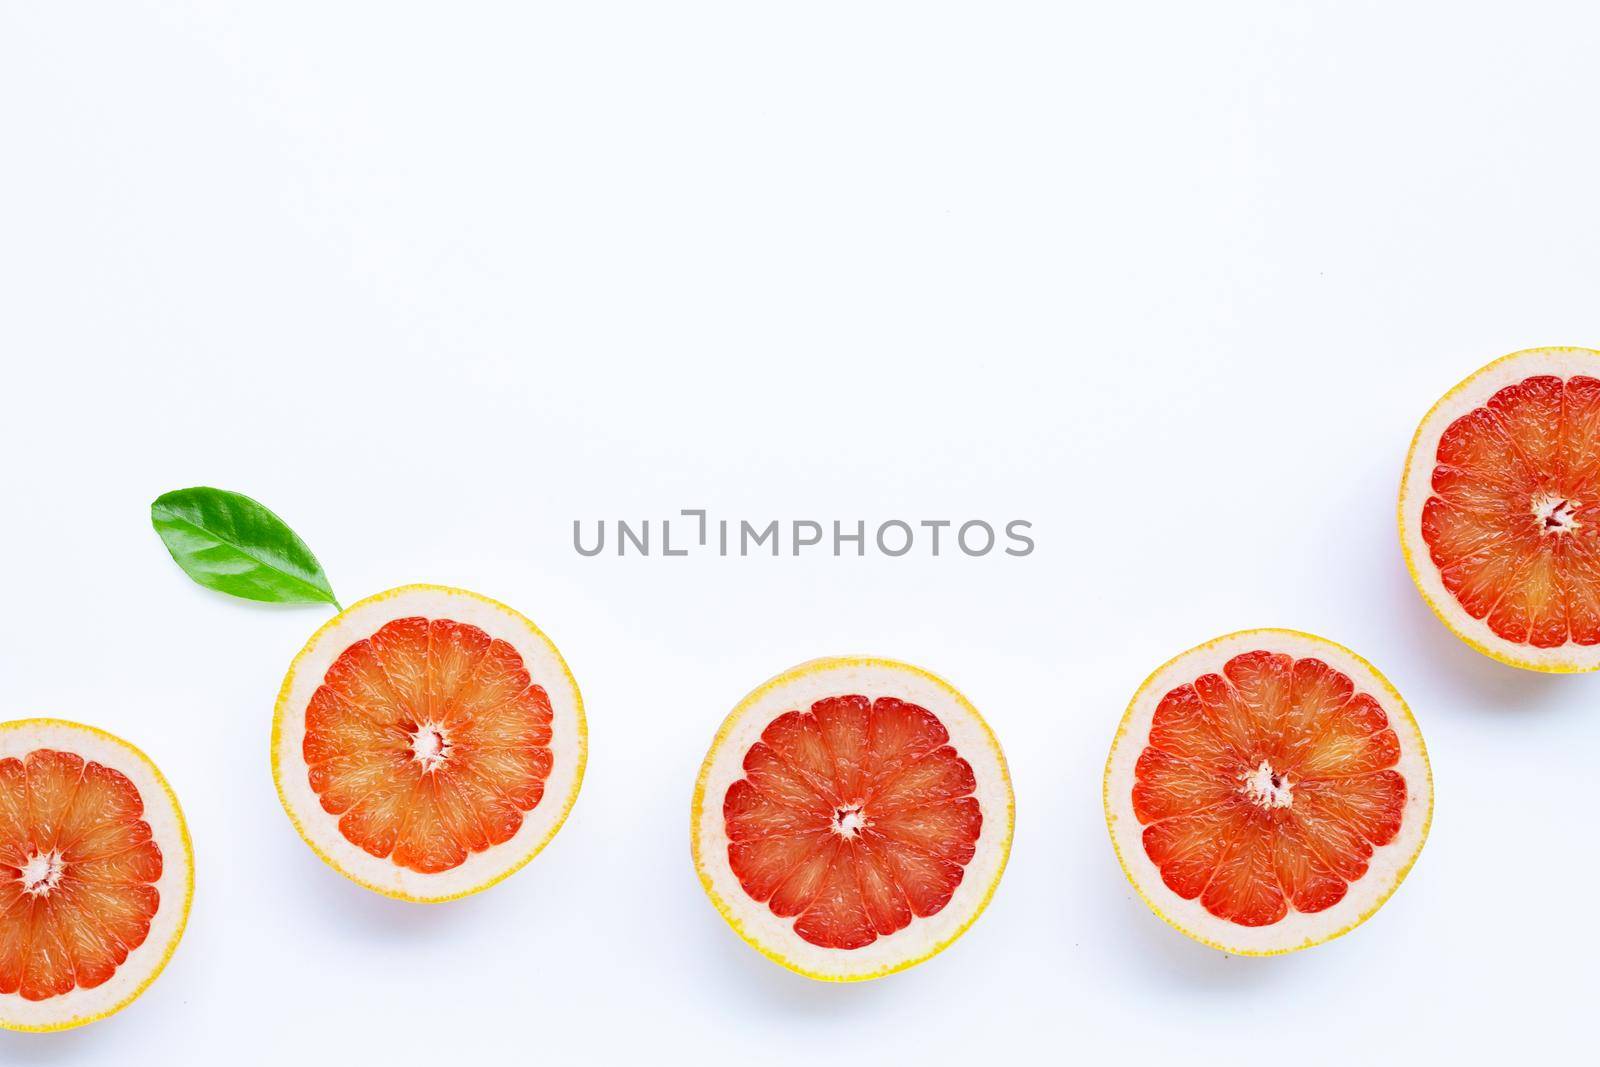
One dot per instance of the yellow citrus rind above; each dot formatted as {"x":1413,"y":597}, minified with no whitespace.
{"x":182,"y":826}
{"x":1393,"y":704}
{"x":567,"y":802}
{"x":697,"y":813}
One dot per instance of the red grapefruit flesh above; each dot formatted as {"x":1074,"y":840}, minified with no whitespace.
{"x":430,"y":741}
{"x":1512,"y":520}
{"x":77,"y":873}
{"x":853,"y":817}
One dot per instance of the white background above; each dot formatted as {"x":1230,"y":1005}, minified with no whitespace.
{"x":1173,"y":281}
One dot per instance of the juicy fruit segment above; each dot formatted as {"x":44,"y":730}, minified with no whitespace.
{"x":77,"y":873}
{"x":1513,"y":522}
{"x":430,"y":741}
{"x":1265,"y":789}
{"x":855,"y":818}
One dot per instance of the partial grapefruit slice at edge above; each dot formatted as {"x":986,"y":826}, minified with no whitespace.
{"x":438,"y":693}
{"x":838,"y":724}
{"x":116,"y":770}
{"x":1367,"y":880}
{"x":1522,"y":596}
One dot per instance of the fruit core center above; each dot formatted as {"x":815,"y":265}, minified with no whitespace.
{"x":429,"y":746}
{"x":1267,"y":788}
{"x":42,"y":873}
{"x":849,"y":821}
{"x":1555,"y":514}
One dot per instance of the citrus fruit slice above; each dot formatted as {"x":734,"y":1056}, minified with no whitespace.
{"x":852,"y":817}
{"x":1267,"y":791}
{"x":96,"y":874}
{"x":1500,"y":509}
{"x":428,"y":742}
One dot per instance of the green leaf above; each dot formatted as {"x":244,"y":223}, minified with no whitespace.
{"x":228,"y":542}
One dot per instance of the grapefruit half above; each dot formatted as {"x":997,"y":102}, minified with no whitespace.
{"x":852,"y":818}
{"x":428,"y":742}
{"x":1267,"y":791}
{"x":96,"y":874}
{"x":1500,"y":509}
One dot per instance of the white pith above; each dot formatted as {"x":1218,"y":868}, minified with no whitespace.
{"x":849,"y":821}
{"x":798,"y":690}
{"x":1556,"y":514}
{"x":430,"y":746}
{"x":1417,"y":486}
{"x":17,"y":739}
{"x":1388,"y":864}
{"x":41,"y":872}
{"x":1267,"y":789}
{"x":567,"y":746}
